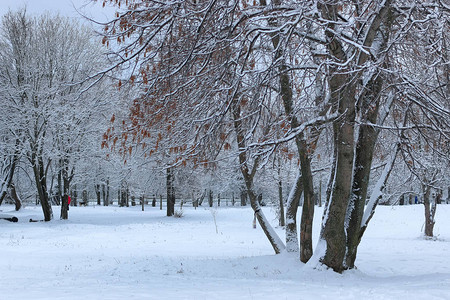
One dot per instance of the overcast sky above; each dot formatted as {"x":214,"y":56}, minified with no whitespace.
{"x":64,"y":7}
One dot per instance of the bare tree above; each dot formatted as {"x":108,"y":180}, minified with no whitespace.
{"x":43,"y":74}
{"x":216,"y":71}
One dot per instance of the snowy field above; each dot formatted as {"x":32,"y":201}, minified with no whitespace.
{"x":124,"y":253}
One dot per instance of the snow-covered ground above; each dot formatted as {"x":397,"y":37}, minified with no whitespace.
{"x":124,"y":253}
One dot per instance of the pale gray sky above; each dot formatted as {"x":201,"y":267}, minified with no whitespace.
{"x":64,"y":7}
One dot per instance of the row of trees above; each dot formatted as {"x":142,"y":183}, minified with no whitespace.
{"x":235,"y":96}
{"x":259,"y":83}
{"x":53,"y":117}
{"x":50,"y":112}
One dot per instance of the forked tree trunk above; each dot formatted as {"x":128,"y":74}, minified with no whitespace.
{"x":286,"y":93}
{"x":346,"y":202}
{"x":343,"y":99}
{"x":41,"y":186}
{"x":367,"y":137}
{"x":306,"y":222}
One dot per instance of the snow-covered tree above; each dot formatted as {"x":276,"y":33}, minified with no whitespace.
{"x":44,"y":62}
{"x":266,"y":75}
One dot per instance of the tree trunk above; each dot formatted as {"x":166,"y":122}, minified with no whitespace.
{"x":15,"y":197}
{"x":98,"y":194}
{"x":210,"y":198}
{"x":243,"y":197}
{"x":107,"y":192}
{"x":430,"y":210}
{"x":59,"y":193}
{"x":84,"y":198}
{"x":41,"y":186}
{"x":282,"y":221}
{"x":343,"y":99}
{"x":64,"y":164}
{"x":74,"y":196}
{"x":292,"y":243}
{"x":7,"y":181}
{"x":333,"y":228}
{"x":320,"y":193}
{"x":105,"y":201}
{"x":123,"y":196}
{"x":367,"y":137}
{"x":248,"y":176}
{"x":286,"y":93}
{"x":275,"y":241}
{"x":306,"y":223}
{"x":365,"y":146}
{"x":170,"y":192}
{"x":65,"y":201}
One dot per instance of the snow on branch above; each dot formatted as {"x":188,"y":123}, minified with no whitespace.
{"x":298,"y":130}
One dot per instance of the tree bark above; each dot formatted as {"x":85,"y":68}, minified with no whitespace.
{"x":105,"y":201}
{"x":248,"y":176}
{"x":365,"y":146}
{"x":210,"y":198}
{"x":74,"y":196}
{"x":292,"y":242}
{"x":98,"y":194}
{"x":243,"y":196}
{"x":7,"y":182}
{"x":15,"y":197}
{"x":306,"y":250}
{"x":41,"y":185}
{"x":351,"y":169}
{"x":430,"y":210}
{"x":65,"y":198}
{"x":286,"y":93}
{"x":170,"y":192}
{"x":342,"y":94}
{"x":282,"y":221}
{"x":367,"y":136}
{"x":66,"y":178}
